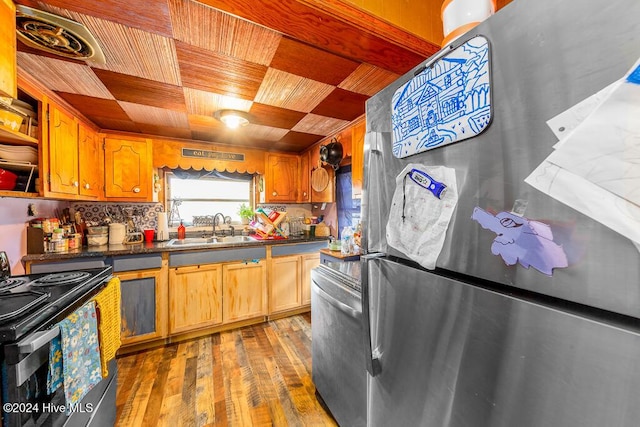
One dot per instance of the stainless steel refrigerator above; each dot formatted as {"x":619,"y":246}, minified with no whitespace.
{"x":485,"y":339}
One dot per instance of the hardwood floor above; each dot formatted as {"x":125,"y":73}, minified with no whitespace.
{"x":259,"y":375}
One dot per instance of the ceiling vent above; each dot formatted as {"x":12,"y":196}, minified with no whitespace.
{"x":57,"y":35}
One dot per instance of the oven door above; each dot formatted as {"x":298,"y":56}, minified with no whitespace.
{"x":25,"y":400}
{"x":337,"y":352}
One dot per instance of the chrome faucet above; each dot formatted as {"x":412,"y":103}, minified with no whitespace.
{"x":215,"y":218}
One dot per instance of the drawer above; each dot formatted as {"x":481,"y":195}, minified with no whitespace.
{"x":135,"y":262}
{"x":179,"y":259}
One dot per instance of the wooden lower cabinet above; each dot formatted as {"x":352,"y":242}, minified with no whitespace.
{"x":291,"y":281}
{"x":202,"y":296}
{"x":195,"y":297}
{"x":143,"y":305}
{"x":285,"y":283}
{"x":244,"y":294}
{"x":309,"y":262}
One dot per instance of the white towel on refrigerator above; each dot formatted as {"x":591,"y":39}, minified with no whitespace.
{"x":420,"y":234}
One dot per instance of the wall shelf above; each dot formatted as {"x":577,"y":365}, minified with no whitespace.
{"x":20,"y":167}
{"x":8,"y":135}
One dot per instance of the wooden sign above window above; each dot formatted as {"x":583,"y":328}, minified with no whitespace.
{"x":208,"y":154}
{"x":174,"y":154}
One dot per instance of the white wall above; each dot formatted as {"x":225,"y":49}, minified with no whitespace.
{"x":13,"y":226}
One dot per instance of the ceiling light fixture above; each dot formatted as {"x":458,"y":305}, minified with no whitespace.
{"x":232,"y":119}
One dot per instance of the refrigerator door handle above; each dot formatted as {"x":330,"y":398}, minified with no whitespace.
{"x":372,"y":360}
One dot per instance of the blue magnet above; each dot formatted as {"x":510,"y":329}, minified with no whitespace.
{"x":424,"y":180}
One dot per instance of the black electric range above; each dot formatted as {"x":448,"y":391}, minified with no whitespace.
{"x":42,"y":300}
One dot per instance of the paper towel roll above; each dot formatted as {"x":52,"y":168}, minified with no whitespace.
{"x":163,"y":227}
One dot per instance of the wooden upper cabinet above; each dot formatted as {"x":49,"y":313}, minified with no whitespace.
{"x":357,"y":159}
{"x":304,"y":193}
{"x":281,"y":181}
{"x":328,"y":194}
{"x":63,"y":152}
{"x":8,"y":72}
{"x":75,"y":162}
{"x":128,"y":168}
{"x":91,"y":162}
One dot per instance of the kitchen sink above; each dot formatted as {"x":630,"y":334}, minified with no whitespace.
{"x":209,"y":241}
{"x":192,"y":241}
{"x":235,"y":239}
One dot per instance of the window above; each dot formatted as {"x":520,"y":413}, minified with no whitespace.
{"x":189,"y":197}
{"x":348,"y":208}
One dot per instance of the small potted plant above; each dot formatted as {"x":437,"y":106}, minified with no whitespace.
{"x":246,"y":213}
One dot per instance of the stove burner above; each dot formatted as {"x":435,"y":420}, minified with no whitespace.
{"x":10,"y":283}
{"x":65,"y":278}
{"x":12,"y":305}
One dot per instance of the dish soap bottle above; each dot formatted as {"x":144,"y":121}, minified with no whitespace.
{"x":181,"y":231}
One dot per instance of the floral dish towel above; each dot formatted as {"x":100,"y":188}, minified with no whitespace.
{"x":74,"y":360}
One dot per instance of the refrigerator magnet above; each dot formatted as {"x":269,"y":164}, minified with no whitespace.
{"x":520,"y":240}
{"x":448,"y":101}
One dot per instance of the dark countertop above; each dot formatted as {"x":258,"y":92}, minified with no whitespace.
{"x":154,"y":247}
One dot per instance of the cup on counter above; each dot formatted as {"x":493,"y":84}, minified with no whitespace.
{"x":148,"y":235}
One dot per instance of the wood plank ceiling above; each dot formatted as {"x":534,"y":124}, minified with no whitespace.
{"x":301,"y":72}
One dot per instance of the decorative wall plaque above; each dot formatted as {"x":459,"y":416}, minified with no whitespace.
{"x":216,"y":155}
{"x":449,"y":101}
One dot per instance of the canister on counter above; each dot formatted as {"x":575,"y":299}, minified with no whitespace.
{"x":75,"y":241}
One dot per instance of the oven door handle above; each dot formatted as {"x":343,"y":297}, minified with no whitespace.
{"x":37,"y":340}
{"x":348,"y":310}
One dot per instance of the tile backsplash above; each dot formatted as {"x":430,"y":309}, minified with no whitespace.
{"x":145,"y":214}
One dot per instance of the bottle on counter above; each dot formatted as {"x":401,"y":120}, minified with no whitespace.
{"x":182,"y":231}
{"x":347,"y":241}
{"x":357,"y":235}
{"x":285,"y":226}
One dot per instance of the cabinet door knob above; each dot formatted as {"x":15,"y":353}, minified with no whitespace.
{"x":304,"y":194}
{"x":87,"y":186}
{"x":274,"y":194}
{"x":76,"y":184}
{"x":136,"y":189}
